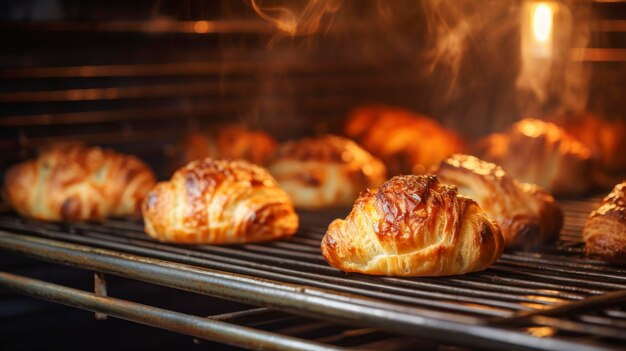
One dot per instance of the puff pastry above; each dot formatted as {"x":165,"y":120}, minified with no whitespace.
{"x":219,"y":202}
{"x":605,"y":229}
{"x":73,"y":182}
{"x":541,"y":153}
{"x":406,"y":142}
{"x":232,"y":142}
{"x":325,"y":171}
{"x":413,"y":226}
{"x":526,"y":214}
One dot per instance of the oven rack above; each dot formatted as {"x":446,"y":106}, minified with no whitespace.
{"x":551,"y":299}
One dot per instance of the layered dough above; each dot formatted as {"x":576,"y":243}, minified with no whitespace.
{"x":413,"y":226}
{"x":325,"y":171}
{"x":406,"y":142}
{"x":527,"y":214}
{"x":541,"y":153}
{"x":605,"y":229}
{"x":219,"y":202}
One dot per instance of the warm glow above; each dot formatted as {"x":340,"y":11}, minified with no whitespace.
{"x":201,"y":27}
{"x":542,"y":22}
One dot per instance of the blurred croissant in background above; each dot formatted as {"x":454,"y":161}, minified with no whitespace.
{"x":406,"y":142}
{"x":73,"y":182}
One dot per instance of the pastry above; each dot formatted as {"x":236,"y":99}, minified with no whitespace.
{"x":325,"y":171}
{"x":527,"y":214}
{"x":542,"y":153}
{"x":413,"y":226}
{"x":605,"y":229}
{"x":219,"y":202}
{"x":232,"y":142}
{"x":406,"y":142}
{"x":73,"y":182}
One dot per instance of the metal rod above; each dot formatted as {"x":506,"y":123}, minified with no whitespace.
{"x":100,"y":288}
{"x":291,"y":298}
{"x":199,"y":327}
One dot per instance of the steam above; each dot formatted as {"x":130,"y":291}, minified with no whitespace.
{"x":304,"y":21}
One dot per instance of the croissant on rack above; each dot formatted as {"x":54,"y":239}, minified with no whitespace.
{"x":413,"y":226}
{"x":233,"y":142}
{"x":527,"y":214}
{"x":325,"y":171}
{"x":542,"y":153}
{"x":404,"y":141}
{"x":73,"y":182}
{"x":605,"y":229}
{"x":219,"y":202}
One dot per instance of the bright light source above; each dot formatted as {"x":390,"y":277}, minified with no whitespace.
{"x":542,"y":22}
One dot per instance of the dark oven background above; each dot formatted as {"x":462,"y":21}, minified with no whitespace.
{"x":136,"y":75}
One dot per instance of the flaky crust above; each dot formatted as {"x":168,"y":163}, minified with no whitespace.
{"x":325,"y":171}
{"x":232,"y":142}
{"x":527,"y":214}
{"x":219,"y":202}
{"x":605,"y":229}
{"x":406,"y":142}
{"x":541,"y":153}
{"x":73,"y":182}
{"x":413,"y":226}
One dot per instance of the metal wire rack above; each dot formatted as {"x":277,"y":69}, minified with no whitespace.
{"x":551,"y":299}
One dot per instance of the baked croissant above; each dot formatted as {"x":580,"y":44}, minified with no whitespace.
{"x":406,"y":142}
{"x":73,"y":182}
{"x":232,"y":142}
{"x":413,"y":226}
{"x":526,"y":214}
{"x":605,"y":229}
{"x":542,"y":153}
{"x":219,"y":202}
{"x":325,"y":171}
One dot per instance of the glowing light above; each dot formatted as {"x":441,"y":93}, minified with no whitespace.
{"x":201,"y":27}
{"x":542,"y":22}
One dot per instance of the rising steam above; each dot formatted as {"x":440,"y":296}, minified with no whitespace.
{"x":296,"y":22}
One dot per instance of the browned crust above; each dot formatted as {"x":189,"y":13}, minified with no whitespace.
{"x":327,"y":148}
{"x":73,"y":182}
{"x":219,"y":202}
{"x":413,"y":226}
{"x":527,"y":214}
{"x":605,"y":230}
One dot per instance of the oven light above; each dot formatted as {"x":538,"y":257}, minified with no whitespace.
{"x":542,"y":22}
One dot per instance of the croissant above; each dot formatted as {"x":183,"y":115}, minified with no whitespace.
{"x":413,"y":226}
{"x":325,"y":171}
{"x":233,"y":142}
{"x":219,"y":202}
{"x":542,"y":153}
{"x":605,"y":229}
{"x":73,"y":182}
{"x":527,"y":214}
{"x":406,"y":142}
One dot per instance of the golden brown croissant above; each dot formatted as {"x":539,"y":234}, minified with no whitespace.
{"x":72,"y":182}
{"x":413,"y":226}
{"x":542,"y":153}
{"x":325,"y":171}
{"x":219,"y":202}
{"x":232,"y":142}
{"x":527,"y":214}
{"x":406,"y":142}
{"x":605,"y":230}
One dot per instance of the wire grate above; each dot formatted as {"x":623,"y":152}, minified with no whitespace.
{"x":553,"y":291}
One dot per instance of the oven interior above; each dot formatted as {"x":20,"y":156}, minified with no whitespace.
{"x":136,"y":76}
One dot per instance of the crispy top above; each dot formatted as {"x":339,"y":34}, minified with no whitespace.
{"x":613,"y":204}
{"x":551,"y":133}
